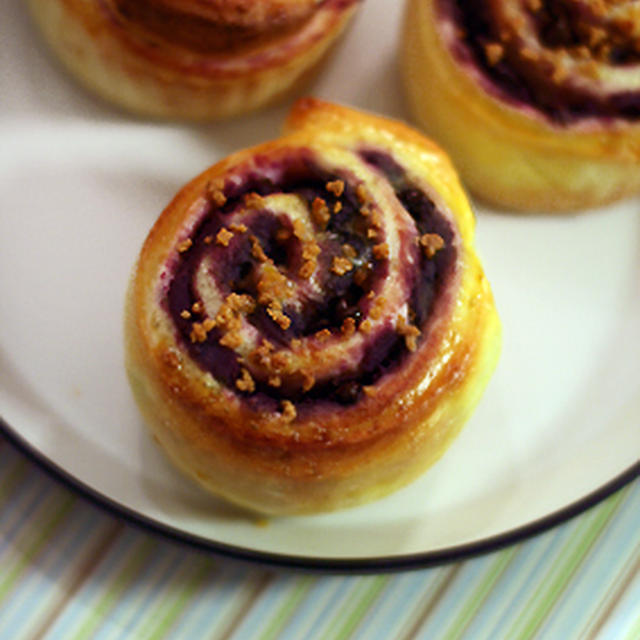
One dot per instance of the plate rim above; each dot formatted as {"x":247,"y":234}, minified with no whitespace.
{"x":377,"y":564}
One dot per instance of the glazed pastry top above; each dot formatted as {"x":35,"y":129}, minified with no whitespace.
{"x":299,"y":275}
{"x":307,"y":281}
{"x":569,"y":59}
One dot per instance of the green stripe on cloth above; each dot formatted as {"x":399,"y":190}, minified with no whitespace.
{"x":634,"y":630}
{"x":117,"y":588}
{"x":559,"y":576}
{"x":480,"y":593}
{"x":35,"y":546}
{"x":373,"y":589}
{"x":277,"y":622}
{"x":613,"y":594}
{"x":82,"y":566}
{"x":175,"y":606}
{"x":431,"y":600}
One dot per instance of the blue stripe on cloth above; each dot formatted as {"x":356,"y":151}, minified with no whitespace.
{"x":151,"y":583}
{"x":608,"y":557}
{"x":41,"y":582}
{"x":88,"y":601}
{"x":211,"y":607}
{"x":324,"y":597}
{"x":402,"y":595}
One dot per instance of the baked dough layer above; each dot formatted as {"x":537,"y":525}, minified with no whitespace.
{"x":237,"y":353}
{"x":194,"y":60}
{"x":511,"y":151}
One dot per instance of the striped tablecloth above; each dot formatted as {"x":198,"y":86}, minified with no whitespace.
{"x":70,"y":570}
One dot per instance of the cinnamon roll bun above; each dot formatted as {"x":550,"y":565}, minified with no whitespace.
{"x":308,"y":326}
{"x":538,"y":101}
{"x":192,"y":59}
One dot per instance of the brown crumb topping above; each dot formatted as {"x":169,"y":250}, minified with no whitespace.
{"x":299,"y":230}
{"x":274,"y":381}
{"x":185,"y":245}
{"x":289,"y":412}
{"x":274,"y":311}
{"x":337,"y":207}
{"x":229,"y":318}
{"x":215,"y":193}
{"x":336,"y":187}
{"x":494,"y":52}
{"x":198,"y":333}
{"x":308,"y":380}
{"x":307,"y":269}
{"x":323,"y":335}
{"x":199,"y":330}
{"x":559,"y":74}
{"x":282,"y":235}
{"x":185,"y":313}
{"x":231,"y":339}
{"x":245,"y":382}
{"x":409,"y":332}
{"x":272,"y":284}
{"x":320,"y":212}
{"x":529,"y":54}
{"x":349,"y":251}
{"x":241,"y":302}
{"x":257,"y":251}
{"x":431,"y":243}
{"x":224,"y":236}
{"x":310,"y":251}
{"x":340,"y":265}
{"x":381,"y":251}
{"x":361,"y":274}
{"x":197,"y":307}
{"x":262,"y":353}
{"x":274,"y":363}
{"x":254,"y":201}
{"x":375,"y":219}
{"x":362,"y":194}
{"x":208,"y":239}
{"x":365,"y":326}
{"x":348,"y":327}
{"x":238,"y":227}
{"x":377,"y":307}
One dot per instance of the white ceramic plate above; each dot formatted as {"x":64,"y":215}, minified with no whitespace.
{"x":80,"y":186}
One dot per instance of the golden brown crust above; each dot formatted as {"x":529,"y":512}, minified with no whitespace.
{"x":221,"y":26}
{"x":304,"y":456}
{"x":514,"y":155}
{"x":192,"y":60}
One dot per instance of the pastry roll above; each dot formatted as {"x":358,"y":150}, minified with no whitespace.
{"x":537,"y":101}
{"x":192,"y":59}
{"x":308,"y":326}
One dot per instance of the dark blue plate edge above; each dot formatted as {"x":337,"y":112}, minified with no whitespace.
{"x":324,"y":565}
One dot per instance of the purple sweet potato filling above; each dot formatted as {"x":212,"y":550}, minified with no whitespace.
{"x":345,"y":296}
{"x":561,"y":103}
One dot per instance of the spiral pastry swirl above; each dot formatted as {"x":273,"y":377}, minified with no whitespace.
{"x":311,"y":317}
{"x":569,"y":59}
{"x":554,"y":85}
{"x":192,"y":59}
